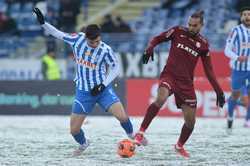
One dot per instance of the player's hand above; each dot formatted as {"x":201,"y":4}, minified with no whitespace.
{"x":220,"y":101}
{"x":97,"y":89}
{"x":39,"y":15}
{"x":147,"y":54}
{"x":242,"y":58}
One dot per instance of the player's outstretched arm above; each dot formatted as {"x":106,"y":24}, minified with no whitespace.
{"x":163,"y":37}
{"x":52,"y":30}
{"x":207,"y":65}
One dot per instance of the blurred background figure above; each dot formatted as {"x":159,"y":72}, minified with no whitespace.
{"x":122,"y":26}
{"x":68,"y":12}
{"x":50,"y":68}
{"x":8,"y":25}
{"x":85,"y":5}
{"x":236,"y":50}
{"x":108,"y":25}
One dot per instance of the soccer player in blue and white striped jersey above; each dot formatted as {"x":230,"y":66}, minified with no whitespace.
{"x":97,"y":67}
{"x":238,"y":50}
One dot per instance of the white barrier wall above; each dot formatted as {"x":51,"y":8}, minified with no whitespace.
{"x":25,"y":69}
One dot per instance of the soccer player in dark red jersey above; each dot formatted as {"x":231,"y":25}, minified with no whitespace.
{"x":187,"y":45}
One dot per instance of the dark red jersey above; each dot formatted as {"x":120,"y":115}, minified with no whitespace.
{"x":184,"y":54}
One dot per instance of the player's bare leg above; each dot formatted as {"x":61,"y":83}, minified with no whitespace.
{"x":152,"y":111}
{"x":118,"y":111}
{"x":187,"y":129}
{"x":76,"y":121}
{"x":232,"y":102}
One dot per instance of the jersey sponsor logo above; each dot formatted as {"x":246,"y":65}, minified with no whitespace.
{"x":88,"y":53}
{"x":186,"y":48}
{"x":86,"y":63}
{"x":198,"y":44}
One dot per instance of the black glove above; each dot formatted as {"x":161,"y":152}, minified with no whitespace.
{"x":146,"y":55}
{"x":97,"y":89}
{"x":39,"y":15}
{"x":220,"y":101}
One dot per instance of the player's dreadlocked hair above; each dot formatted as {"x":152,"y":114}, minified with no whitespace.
{"x":92,"y":31}
{"x":198,"y":14}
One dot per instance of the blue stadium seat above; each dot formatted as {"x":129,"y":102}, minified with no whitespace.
{"x":15,"y":10}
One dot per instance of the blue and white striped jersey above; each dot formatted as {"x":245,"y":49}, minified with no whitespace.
{"x":92,"y":63}
{"x":238,"y":44}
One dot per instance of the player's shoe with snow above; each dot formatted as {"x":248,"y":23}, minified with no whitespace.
{"x":81,"y":148}
{"x":139,"y":139}
{"x":181,"y":151}
{"x":247,"y":124}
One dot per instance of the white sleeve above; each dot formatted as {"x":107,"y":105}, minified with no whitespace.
{"x":230,"y":45}
{"x":68,"y":38}
{"x":53,"y":31}
{"x":114,"y":69}
{"x":113,"y":73}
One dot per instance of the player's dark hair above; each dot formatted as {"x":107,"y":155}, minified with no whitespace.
{"x":244,"y":9}
{"x":92,"y":31}
{"x":199,"y":14}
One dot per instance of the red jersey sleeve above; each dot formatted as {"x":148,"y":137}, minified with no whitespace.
{"x":208,"y":68}
{"x":163,"y":37}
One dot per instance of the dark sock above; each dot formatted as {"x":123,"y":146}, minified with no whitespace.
{"x":231,"y":105}
{"x":248,"y":113}
{"x":152,"y":111}
{"x":229,"y":124}
{"x":80,"y":138}
{"x":185,"y":133}
{"x":128,"y":127}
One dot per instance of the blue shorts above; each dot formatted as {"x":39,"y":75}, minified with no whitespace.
{"x":84,"y":102}
{"x":244,"y":91}
{"x":240,"y":79}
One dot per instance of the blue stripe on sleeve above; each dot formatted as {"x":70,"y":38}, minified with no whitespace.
{"x":100,"y":68}
{"x":81,"y":68}
{"x":237,"y":40}
{"x":78,"y":49}
{"x":243,"y":50}
{"x":94,"y":72}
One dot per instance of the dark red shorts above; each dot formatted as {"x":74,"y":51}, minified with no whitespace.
{"x":183,"y":90}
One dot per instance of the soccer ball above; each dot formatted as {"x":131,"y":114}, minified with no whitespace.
{"x":126,"y":148}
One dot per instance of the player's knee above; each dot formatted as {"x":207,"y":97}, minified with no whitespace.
{"x":123,"y":118}
{"x":121,"y":115}
{"x":235,"y":96}
{"x":244,"y":101}
{"x":74,"y":130}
